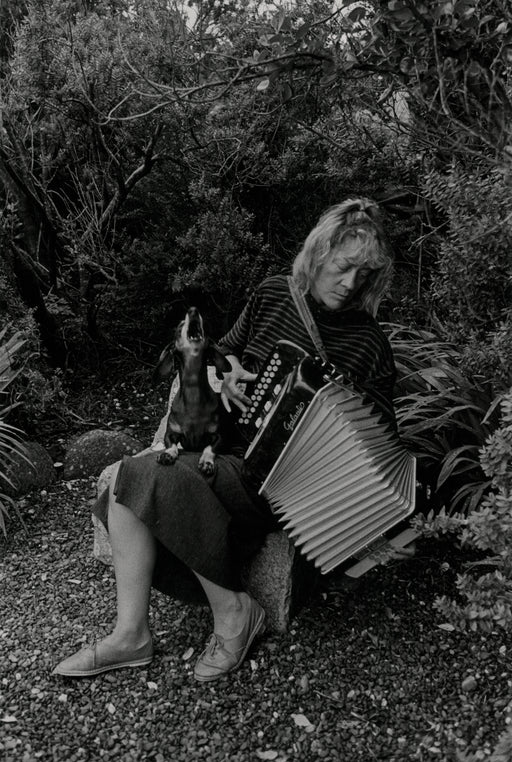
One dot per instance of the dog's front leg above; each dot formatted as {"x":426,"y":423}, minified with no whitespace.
{"x":172,"y":437}
{"x":207,"y":461}
{"x":169,"y":455}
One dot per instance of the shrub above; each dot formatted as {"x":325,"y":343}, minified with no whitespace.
{"x":471,"y":287}
{"x":10,"y":437}
{"x":444,"y":415}
{"x":488,"y":529}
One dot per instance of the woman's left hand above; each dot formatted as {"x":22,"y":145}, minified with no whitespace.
{"x":233,"y":385}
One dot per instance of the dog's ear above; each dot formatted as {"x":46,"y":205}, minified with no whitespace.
{"x":216,"y":357}
{"x":165,"y":366}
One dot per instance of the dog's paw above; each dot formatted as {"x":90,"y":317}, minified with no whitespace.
{"x":207,"y":468}
{"x":207,"y":461}
{"x":166,"y":459}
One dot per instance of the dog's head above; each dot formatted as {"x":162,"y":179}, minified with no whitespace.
{"x":190,"y":345}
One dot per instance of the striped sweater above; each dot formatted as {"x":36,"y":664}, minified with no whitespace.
{"x":354,"y":341}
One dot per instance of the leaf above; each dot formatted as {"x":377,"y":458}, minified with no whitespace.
{"x":269,"y":754}
{"x":446,"y":626}
{"x":453,"y":463}
{"x":358,"y":13}
{"x":111,"y":708}
{"x":286,"y":91}
{"x":8,"y":718}
{"x":494,"y":404}
{"x":188,"y":653}
{"x":303,"y":30}
{"x":152,"y":686}
{"x":278,"y":21}
{"x":263,"y":84}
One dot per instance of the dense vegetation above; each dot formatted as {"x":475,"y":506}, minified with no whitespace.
{"x":152,"y":158}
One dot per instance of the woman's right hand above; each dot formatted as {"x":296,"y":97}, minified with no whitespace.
{"x":233,"y":385}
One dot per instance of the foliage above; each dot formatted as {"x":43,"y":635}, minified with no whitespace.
{"x":488,"y":529}
{"x":117,"y":146}
{"x":158,"y":161}
{"x":491,"y":356}
{"x":10,"y":439}
{"x":67,"y":173}
{"x":453,"y":59}
{"x":8,"y":348}
{"x":450,"y":59}
{"x":219,"y":252}
{"x":444,"y":415}
{"x":470,"y":300}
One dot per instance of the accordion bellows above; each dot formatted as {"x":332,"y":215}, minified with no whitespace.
{"x":342,"y":478}
{"x":336,"y":492}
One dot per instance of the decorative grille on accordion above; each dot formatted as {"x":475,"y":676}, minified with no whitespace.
{"x":334,"y":472}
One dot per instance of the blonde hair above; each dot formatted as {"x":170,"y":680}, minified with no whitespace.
{"x":353,"y":218}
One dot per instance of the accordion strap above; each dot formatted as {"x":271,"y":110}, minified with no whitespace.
{"x":307,"y":318}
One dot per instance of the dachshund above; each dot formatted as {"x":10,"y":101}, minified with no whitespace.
{"x":196,"y":411}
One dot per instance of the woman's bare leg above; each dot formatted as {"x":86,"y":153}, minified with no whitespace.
{"x":237,"y":620}
{"x":129,"y":644}
{"x":229,"y":608}
{"x":133,"y":554}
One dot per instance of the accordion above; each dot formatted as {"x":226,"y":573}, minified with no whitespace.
{"x":332,"y":469}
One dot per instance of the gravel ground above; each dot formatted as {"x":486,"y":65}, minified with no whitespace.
{"x":364,"y":675}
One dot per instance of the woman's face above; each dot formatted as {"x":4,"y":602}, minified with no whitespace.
{"x":341,"y":275}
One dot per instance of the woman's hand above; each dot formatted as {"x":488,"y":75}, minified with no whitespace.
{"x":233,"y":385}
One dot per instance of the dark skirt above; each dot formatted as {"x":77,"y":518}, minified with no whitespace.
{"x":209,"y":524}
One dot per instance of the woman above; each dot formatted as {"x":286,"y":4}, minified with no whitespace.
{"x":159,"y":518}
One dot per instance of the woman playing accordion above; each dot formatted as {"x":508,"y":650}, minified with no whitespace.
{"x":162,"y":521}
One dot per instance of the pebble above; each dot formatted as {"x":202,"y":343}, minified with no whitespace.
{"x":362,"y":699}
{"x":469,"y":684}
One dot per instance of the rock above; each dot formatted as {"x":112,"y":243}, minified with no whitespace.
{"x":40,"y":472}
{"x":88,"y":454}
{"x":469,"y":684}
{"x":278,"y":576}
{"x":102,"y":549}
{"x":280,"y":579}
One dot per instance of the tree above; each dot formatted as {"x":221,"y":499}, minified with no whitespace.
{"x":69,"y":173}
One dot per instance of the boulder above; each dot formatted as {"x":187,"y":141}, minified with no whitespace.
{"x":89,"y":453}
{"x":280,"y":579}
{"x":278,"y":576}
{"x":26,"y":476}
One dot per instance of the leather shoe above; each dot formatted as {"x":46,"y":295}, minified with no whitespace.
{"x":223,"y":655}
{"x":88,"y":661}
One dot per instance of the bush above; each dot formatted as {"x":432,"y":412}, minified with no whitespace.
{"x":471,"y":288}
{"x":10,"y":437}
{"x":444,"y":415}
{"x":488,"y":530}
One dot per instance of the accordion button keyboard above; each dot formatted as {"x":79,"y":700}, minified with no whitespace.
{"x":280,"y":362}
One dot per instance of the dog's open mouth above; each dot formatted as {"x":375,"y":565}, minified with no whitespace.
{"x":194,"y":327}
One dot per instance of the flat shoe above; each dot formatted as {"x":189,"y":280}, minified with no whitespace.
{"x":223,"y":655}
{"x":88,"y":662}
